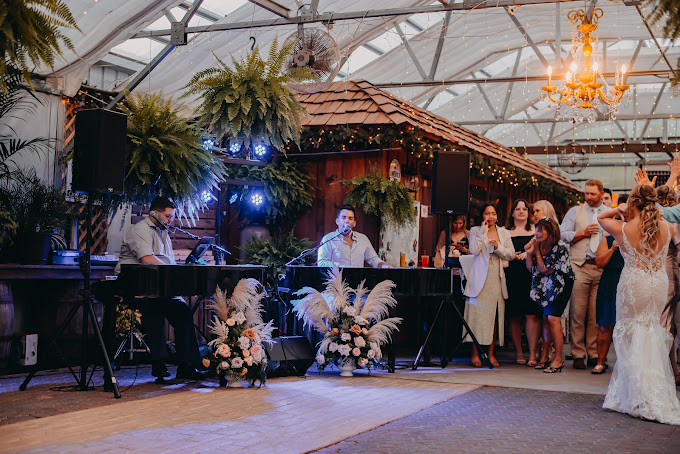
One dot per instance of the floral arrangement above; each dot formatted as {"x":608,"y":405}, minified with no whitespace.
{"x":237,"y":350}
{"x":351,"y":320}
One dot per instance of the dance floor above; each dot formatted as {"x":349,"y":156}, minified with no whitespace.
{"x":458,"y":409}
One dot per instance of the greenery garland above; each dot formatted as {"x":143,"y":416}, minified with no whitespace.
{"x":670,"y":11}
{"x":420,"y":151}
{"x":383,"y":197}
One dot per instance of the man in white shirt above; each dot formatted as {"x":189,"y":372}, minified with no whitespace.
{"x":345,"y":247}
{"x":581,"y":230}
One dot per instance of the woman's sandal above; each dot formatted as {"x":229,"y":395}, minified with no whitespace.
{"x":597,"y":370}
{"x":532,"y":363}
{"x":519,"y":359}
{"x":542,"y":365}
{"x":552,"y":370}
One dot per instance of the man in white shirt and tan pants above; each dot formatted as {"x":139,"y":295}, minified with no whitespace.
{"x":581,"y":230}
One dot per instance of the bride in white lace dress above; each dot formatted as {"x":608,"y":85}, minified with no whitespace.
{"x":642,"y":383}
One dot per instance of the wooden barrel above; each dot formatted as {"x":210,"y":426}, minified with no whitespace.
{"x":6,"y":322}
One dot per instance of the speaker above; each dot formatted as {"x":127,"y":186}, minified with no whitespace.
{"x":451,"y":182}
{"x":99,"y":151}
{"x":289,"y":355}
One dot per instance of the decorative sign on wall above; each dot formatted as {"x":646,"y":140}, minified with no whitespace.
{"x":395,"y":170}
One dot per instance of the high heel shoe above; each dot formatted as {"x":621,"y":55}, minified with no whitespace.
{"x":542,"y":365}
{"x":519,"y":359}
{"x":552,"y":370}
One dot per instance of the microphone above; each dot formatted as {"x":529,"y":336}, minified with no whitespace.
{"x":162,"y":225}
{"x":347,"y":230}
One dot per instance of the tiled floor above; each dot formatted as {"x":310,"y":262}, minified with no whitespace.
{"x":457,"y":409}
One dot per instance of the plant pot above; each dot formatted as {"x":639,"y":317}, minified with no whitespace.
{"x":35,"y":248}
{"x":346,"y":369}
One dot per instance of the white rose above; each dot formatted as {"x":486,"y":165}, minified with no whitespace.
{"x":362,"y":361}
{"x":224,"y":365}
{"x":320,"y":359}
{"x":257,"y":357}
{"x":360,"y":320}
{"x":356,"y":351}
{"x":239,"y":317}
{"x":359,"y":341}
{"x":236,"y":363}
{"x":343,"y":349}
{"x":244,"y":342}
{"x":346,"y":337}
{"x":370,"y":354}
{"x":333,"y":347}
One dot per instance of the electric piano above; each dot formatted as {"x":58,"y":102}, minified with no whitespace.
{"x":409,"y":281}
{"x":157,"y":281}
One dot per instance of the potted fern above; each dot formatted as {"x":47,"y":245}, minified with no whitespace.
{"x":250,"y":102}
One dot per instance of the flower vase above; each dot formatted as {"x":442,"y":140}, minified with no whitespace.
{"x":346,"y":369}
{"x":235,"y":383}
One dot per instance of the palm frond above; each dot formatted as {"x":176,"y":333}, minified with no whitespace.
{"x":312,"y":309}
{"x":381,"y":332}
{"x":379,"y":301}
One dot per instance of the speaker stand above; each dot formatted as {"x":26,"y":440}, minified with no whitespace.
{"x":82,"y":380}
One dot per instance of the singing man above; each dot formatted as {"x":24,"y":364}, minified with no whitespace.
{"x":346,"y":248}
{"x":148,"y":242}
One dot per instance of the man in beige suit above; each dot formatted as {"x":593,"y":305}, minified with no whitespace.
{"x":581,"y":230}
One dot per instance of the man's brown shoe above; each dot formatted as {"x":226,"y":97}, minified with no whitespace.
{"x":579,"y":363}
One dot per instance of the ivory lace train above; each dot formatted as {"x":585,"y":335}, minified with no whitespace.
{"x":642,"y":383}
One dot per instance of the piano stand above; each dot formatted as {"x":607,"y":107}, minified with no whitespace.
{"x":445,"y":355}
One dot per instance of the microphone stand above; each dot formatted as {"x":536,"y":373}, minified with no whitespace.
{"x":307,"y":252}
{"x":173,"y":229}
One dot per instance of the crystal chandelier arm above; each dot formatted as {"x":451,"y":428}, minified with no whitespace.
{"x":610,"y":101}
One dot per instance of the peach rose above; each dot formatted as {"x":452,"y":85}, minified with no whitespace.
{"x":246,"y":353}
{"x":356,"y":351}
{"x":230,"y":322}
{"x":206,"y":362}
{"x":248,"y":360}
{"x":249,"y":333}
{"x":255,"y":350}
{"x":223,"y":350}
{"x":244,"y":371}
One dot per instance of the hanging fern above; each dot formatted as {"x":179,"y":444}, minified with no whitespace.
{"x":250,"y":102}
{"x":274,"y":253}
{"x":30,"y":32}
{"x":670,"y":11}
{"x":382,"y":197}
{"x":165,"y":155}
{"x":287,"y":188}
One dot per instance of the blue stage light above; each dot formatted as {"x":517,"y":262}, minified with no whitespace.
{"x":256,"y":199}
{"x":260,"y":150}
{"x":208,"y":143}
{"x":206,"y":196}
{"x":234,"y":148}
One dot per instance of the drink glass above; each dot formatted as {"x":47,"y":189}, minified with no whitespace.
{"x":425,"y":260}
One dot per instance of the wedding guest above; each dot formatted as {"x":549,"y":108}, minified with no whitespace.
{"x":581,"y":230}
{"x":608,"y":258}
{"x":543,"y":208}
{"x":551,"y":285}
{"x":486,"y":290}
{"x":459,"y":245}
{"x":607,"y":199}
{"x":518,"y":279}
{"x":667,"y":198}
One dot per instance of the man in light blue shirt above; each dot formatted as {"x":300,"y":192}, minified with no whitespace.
{"x":349,"y":248}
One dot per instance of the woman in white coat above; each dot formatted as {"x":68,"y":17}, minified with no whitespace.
{"x":491,"y":246}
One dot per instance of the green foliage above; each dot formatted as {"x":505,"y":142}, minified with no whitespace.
{"x":251,"y":102}
{"x":275,"y":253}
{"x":287,"y":188}
{"x":670,"y":10}
{"x":8,"y":231}
{"x":34,"y":205}
{"x":14,"y":103}
{"x":30,"y":32}
{"x":165,"y":155}
{"x":383,"y":197}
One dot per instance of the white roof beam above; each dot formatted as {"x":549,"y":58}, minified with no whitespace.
{"x":273,"y":7}
{"x":440,"y":45}
{"x":409,"y":49}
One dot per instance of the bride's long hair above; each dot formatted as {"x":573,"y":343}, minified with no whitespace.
{"x":644,"y":198}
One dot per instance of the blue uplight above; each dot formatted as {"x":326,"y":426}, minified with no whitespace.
{"x":208,"y":143}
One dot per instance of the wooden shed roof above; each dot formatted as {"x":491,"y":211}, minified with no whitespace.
{"x":360,"y":103}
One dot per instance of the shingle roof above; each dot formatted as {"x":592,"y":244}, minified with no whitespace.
{"x":359,"y":102}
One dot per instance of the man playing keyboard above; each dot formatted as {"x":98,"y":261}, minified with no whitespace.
{"x":148,"y":242}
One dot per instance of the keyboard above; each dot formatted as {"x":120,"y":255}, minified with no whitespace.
{"x":105,"y":259}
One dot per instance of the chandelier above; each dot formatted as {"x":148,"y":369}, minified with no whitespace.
{"x":581,"y":91}
{"x":572,"y":158}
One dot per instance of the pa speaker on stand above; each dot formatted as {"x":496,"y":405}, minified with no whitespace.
{"x":451,"y":182}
